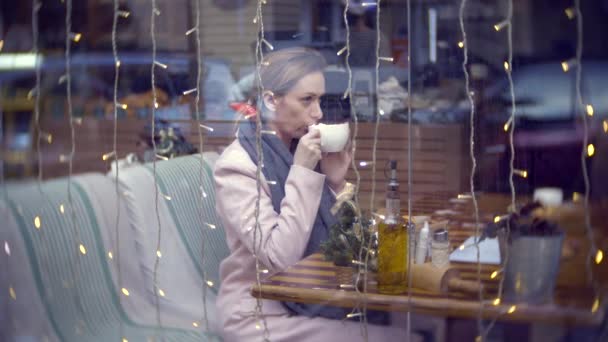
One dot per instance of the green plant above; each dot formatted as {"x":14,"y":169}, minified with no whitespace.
{"x":347,"y":236}
{"x":523,"y":223}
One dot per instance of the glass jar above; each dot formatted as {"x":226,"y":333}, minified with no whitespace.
{"x":440,"y":248}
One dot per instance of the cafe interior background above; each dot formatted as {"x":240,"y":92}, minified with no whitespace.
{"x":97,"y":163}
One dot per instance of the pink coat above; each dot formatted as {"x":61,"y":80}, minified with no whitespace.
{"x":282,"y":239}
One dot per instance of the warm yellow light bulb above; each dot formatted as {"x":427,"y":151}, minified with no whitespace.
{"x":501,"y":25}
{"x":576,"y":197}
{"x":1,"y":44}
{"x":494,"y":274}
{"x":605,"y":124}
{"x":125,"y":291}
{"x":110,"y":255}
{"x":521,"y":173}
{"x":506,"y":65}
{"x":159,"y":254}
{"x":161,"y":292}
{"x":83,"y":250}
{"x":61,"y":209}
{"x":37,"y":222}
{"x":589,"y":110}
{"x":496,"y":301}
{"x":565,"y":66}
{"x":12,"y":293}
{"x":107,"y":156}
{"x":506,"y":127}
{"x":596,"y":305}
{"x":124,"y":106}
{"x":496,"y":219}
{"x":590,"y":150}
{"x":124,"y":340}
{"x":209,"y":283}
{"x":599,"y":256}
{"x":570,"y":12}
{"x":77,"y":37}
{"x":461,"y":44}
{"x":162,"y":65}
{"x":195,"y":324}
{"x":512,"y":309}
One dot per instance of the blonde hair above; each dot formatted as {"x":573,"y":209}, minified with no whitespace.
{"x":281,"y":70}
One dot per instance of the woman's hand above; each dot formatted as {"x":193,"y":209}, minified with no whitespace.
{"x":335,"y":165}
{"x":308,"y":152}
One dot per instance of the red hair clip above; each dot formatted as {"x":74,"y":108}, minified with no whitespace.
{"x":247,"y":110}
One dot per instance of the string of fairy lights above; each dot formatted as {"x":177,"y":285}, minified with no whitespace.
{"x":587,"y":151}
{"x":469,"y":93}
{"x":76,"y":267}
{"x":115,"y":104}
{"x":357,"y":311}
{"x":368,"y":244}
{"x":410,"y":161}
{"x":260,"y":319}
{"x":199,"y":74}
{"x":594,"y":253}
{"x":158,"y":292}
{"x":36,"y":49}
{"x":510,"y":127}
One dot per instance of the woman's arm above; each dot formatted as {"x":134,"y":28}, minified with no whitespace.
{"x":281,"y":238}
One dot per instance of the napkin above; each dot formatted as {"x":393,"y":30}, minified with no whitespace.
{"x":489,"y":252}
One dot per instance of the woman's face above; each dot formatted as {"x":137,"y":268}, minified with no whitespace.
{"x":300,"y":107}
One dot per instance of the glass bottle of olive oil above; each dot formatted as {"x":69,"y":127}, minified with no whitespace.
{"x":393,"y":242}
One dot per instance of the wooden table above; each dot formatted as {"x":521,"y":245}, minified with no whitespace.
{"x":313,"y":280}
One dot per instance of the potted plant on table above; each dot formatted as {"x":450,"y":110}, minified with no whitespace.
{"x":534,"y":247}
{"x":345,"y":241}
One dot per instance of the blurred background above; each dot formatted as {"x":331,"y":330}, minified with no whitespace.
{"x":548,"y":140}
{"x":544,"y":35}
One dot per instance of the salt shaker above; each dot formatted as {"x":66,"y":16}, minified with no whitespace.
{"x":440,"y":248}
{"x":422,"y":245}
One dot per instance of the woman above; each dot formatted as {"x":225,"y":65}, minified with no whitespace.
{"x":298,"y":188}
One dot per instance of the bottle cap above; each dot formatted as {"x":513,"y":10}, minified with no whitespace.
{"x":440,"y":235}
{"x":393,"y":164}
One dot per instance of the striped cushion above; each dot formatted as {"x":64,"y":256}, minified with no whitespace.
{"x":192,"y":207}
{"x":76,"y":289}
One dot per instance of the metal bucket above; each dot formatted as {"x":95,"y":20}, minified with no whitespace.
{"x":532,"y":268}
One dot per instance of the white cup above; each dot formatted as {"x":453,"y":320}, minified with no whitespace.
{"x":549,"y":197}
{"x":333,"y":137}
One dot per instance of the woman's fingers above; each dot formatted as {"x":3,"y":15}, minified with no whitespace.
{"x":308,"y":152}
